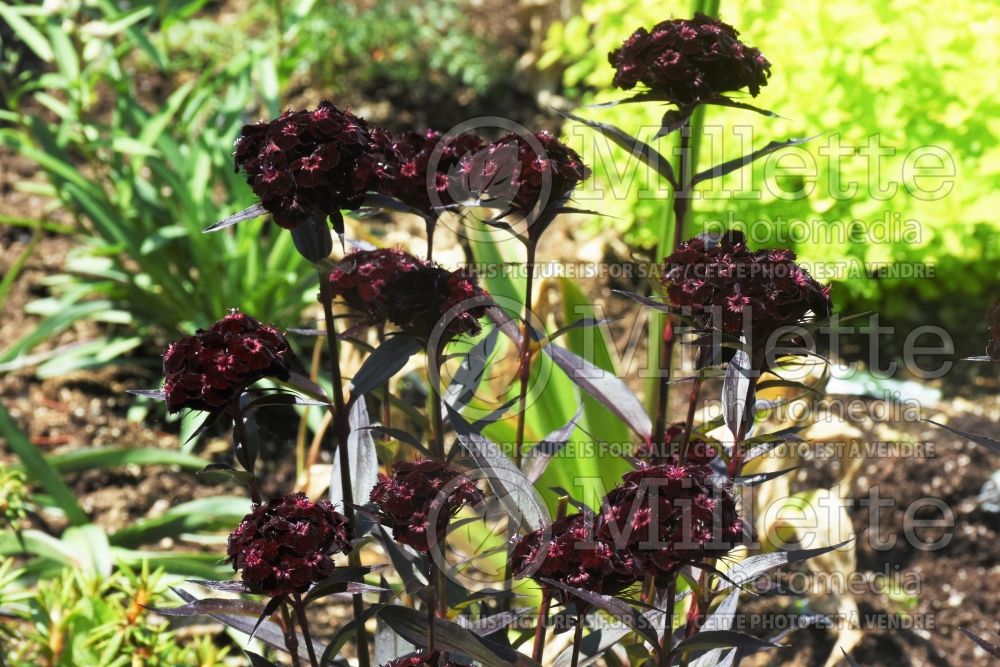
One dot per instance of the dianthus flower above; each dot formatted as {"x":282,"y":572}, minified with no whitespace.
{"x":418,"y":493}
{"x":689,"y":61}
{"x":423,"y":659}
{"x":307,"y":164}
{"x":393,"y":285}
{"x":285,"y":544}
{"x":700,"y":449}
{"x":722,"y":284}
{"x":207,"y":370}
{"x":523,"y":174}
{"x":569,"y":552}
{"x":668,"y":516}
{"x":413,"y":154}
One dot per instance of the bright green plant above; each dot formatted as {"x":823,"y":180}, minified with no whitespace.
{"x":870,"y":79}
{"x":81,"y":619}
{"x":156,"y":174}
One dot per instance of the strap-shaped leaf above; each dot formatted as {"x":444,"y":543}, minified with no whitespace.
{"x":509,"y":484}
{"x":249,"y":213}
{"x":619,"y":609}
{"x":412,"y":626}
{"x":986,"y":441}
{"x":724,"y":168}
{"x":751,"y":568}
{"x":387,"y":360}
{"x":649,"y":155}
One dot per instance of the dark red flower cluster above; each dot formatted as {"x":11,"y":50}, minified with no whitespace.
{"x":285,"y":544}
{"x":393,"y":285}
{"x":207,"y":370}
{"x":418,"y":493}
{"x":668,"y":516}
{"x":569,"y":552}
{"x":520,"y":173}
{"x":424,"y":659}
{"x":307,"y":163}
{"x":700,"y":449}
{"x":993,"y":320}
{"x":410,"y":158}
{"x":722,"y":284}
{"x":689,"y":62}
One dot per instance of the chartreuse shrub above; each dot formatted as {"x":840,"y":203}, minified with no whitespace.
{"x":914,"y":188}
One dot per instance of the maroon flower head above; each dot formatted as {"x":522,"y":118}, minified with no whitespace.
{"x":993,"y":320}
{"x":393,"y":285}
{"x":415,"y":153}
{"x":308,"y":163}
{"x":689,"y":61}
{"x":285,"y":544}
{"x":668,"y":516}
{"x":722,"y":284}
{"x":423,"y":659}
{"x":418,"y":493}
{"x":209,"y":369}
{"x":569,"y":552}
{"x":700,"y":449}
{"x":523,"y":173}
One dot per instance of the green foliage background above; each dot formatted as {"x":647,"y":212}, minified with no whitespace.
{"x":907,"y":71}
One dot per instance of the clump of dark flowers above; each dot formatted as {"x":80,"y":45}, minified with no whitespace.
{"x":993,"y":320}
{"x":417,"y":494}
{"x":723,"y":285}
{"x":414,"y":154}
{"x":308,"y":164}
{"x":432,"y":659}
{"x":520,"y":174}
{"x":207,"y":370}
{"x":285,"y":544}
{"x":668,"y":516}
{"x":700,"y":449}
{"x":689,"y":61}
{"x":569,"y":552}
{"x":393,"y":285}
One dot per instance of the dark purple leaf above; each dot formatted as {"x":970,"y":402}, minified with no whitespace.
{"x":340,"y":577}
{"x":387,"y":360}
{"x":619,"y":609}
{"x":509,"y":484}
{"x":258,"y":661}
{"x":407,"y":564}
{"x":345,"y":632}
{"x":361,"y":460}
{"x":225,"y":586}
{"x":211,"y":606}
{"x":304,"y":385}
{"x":850,"y":661}
{"x":760,"y":478}
{"x":155,"y":394}
{"x":673,"y":120}
{"x":644,"y":300}
{"x":492,"y":624}
{"x":724,"y":168}
{"x":985,"y":441}
{"x":540,"y":455}
{"x":736,"y":394}
{"x":412,"y":626}
{"x":710,"y":639}
{"x":643,"y":151}
{"x":249,"y":213}
{"x":268,"y":632}
{"x":990,"y":648}
{"x":733,"y":104}
{"x":754,"y":566}
{"x":312,"y":237}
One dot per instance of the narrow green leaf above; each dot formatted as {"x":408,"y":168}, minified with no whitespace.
{"x":40,"y":471}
